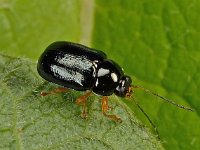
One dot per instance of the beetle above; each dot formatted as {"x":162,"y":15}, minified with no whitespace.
{"x":75,"y":66}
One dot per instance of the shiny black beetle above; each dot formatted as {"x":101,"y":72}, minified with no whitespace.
{"x":81,"y":68}
{"x":78,"y":67}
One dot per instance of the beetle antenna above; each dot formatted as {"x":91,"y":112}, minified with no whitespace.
{"x":148,"y":118}
{"x":163,"y":98}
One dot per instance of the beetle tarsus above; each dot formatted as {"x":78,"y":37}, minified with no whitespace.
{"x":82,"y":100}
{"x":105,"y":108}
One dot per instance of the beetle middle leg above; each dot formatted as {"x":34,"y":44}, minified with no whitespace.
{"x":56,"y":90}
{"x":82,"y":100}
{"x":105,"y":107}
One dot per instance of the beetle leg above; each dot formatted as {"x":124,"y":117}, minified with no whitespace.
{"x":57,"y":90}
{"x":105,"y":107}
{"x":81,"y":100}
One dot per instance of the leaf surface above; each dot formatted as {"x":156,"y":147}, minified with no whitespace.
{"x":156,"y":42}
{"x":30,"y":121}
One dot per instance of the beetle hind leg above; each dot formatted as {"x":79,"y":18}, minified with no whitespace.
{"x":82,"y":100}
{"x":105,"y":107}
{"x":56,"y":90}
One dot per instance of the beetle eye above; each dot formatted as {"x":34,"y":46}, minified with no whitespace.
{"x":124,"y":87}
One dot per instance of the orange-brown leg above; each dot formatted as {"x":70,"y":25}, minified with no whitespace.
{"x":105,"y":107}
{"x":81,"y":100}
{"x":57,"y":90}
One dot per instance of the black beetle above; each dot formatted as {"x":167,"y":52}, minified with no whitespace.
{"x":78,"y":67}
{"x":81,"y":68}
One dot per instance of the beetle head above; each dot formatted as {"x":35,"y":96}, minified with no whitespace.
{"x":124,"y":88}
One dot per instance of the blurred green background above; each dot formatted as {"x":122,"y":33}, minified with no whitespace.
{"x":156,"y":42}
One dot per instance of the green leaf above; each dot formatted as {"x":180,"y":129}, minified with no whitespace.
{"x":27,"y":27}
{"x":156,"y":42}
{"x":29,"y":121}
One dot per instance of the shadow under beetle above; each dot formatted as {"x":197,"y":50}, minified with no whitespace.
{"x":78,"y":67}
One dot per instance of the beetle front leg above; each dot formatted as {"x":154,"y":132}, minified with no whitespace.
{"x":105,"y":107}
{"x":82,"y":100}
